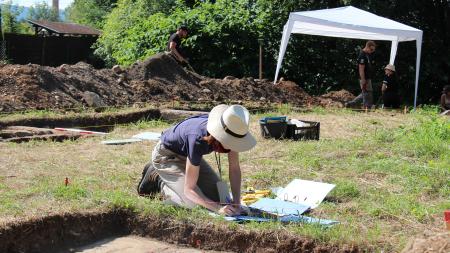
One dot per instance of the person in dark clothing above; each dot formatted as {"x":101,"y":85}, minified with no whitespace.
{"x":365,"y":69}
{"x":389,"y":88}
{"x":174,"y":44}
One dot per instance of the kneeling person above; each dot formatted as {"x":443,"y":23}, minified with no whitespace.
{"x":389,"y":88}
{"x":185,"y":177}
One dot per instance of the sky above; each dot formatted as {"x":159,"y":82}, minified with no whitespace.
{"x":62,"y":3}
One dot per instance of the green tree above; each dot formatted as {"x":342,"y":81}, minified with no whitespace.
{"x":127,"y":16}
{"x":42,"y":11}
{"x":90,"y":12}
{"x":9,"y":15}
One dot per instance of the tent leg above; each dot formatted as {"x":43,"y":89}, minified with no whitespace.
{"x":394,"y":47}
{"x":419,"y":51}
{"x":284,"y":41}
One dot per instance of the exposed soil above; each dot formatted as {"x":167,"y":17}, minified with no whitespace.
{"x":158,"y":79}
{"x":137,"y":244}
{"x":24,"y":134}
{"x":59,"y":232}
{"x":54,"y":233}
{"x":336,"y":98}
{"x":94,"y":121}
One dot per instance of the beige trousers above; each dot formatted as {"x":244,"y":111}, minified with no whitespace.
{"x":171,"y":168}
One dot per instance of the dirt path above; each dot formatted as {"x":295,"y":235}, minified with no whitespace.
{"x":135,"y":244}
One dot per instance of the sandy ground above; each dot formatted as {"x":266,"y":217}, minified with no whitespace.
{"x":135,"y":244}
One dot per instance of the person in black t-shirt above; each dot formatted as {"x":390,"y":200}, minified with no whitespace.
{"x":365,"y":68}
{"x":389,"y":88}
{"x":174,"y":44}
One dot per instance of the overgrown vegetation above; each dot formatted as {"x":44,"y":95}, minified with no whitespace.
{"x":391,"y":173}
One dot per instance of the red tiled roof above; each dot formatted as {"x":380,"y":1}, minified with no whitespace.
{"x":65,"y":28}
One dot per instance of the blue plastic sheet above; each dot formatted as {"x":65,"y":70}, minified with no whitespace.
{"x":286,"y":219}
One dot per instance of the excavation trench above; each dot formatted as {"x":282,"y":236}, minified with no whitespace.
{"x":63,"y":233}
{"x":24,"y":130}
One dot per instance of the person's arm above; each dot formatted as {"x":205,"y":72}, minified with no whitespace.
{"x":190,"y":185}
{"x":235,"y":176}
{"x":173,"y":49}
{"x":362,"y":76}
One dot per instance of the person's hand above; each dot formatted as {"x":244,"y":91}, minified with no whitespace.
{"x":230,"y":210}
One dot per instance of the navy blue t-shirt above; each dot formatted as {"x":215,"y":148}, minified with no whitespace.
{"x":186,"y":138}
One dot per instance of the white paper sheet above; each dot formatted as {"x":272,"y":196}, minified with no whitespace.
{"x":305,"y":192}
{"x":151,"y":136}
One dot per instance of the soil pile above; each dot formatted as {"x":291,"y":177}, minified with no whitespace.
{"x":40,"y":87}
{"x":158,"y":79}
{"x":335,"y":98}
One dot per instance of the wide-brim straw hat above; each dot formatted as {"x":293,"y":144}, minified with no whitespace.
{"x":390,"y":67}
{"x":230,"y":126}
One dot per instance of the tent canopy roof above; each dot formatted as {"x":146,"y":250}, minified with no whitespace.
{"x":351,"y":22}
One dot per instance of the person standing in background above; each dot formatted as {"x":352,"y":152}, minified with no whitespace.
{"x":365,"y":71}
{"x":174,"y":44}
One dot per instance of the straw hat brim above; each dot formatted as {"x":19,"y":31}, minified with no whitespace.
{"x":228,"y":141}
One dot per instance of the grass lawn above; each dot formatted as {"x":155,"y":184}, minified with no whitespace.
{"x":392,"y":173}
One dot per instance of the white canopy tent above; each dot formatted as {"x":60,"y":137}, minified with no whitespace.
{"x":351,"y":22}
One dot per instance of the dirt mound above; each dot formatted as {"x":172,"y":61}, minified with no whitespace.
{"x":163,"y":68}
{"x":335,"y":98}
{"x":435,"y":243}
{"x":41,"y":87}
{"x":158,"y":79}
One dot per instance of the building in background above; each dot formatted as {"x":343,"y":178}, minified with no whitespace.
{"x":53,"y":44}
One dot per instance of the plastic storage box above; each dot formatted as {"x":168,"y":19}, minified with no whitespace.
{"x":282,"y":128}
{"x":273,"y":127}
{"x":309,"y":131}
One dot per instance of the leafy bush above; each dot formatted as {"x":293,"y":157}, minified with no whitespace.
{"x":90,"y":12}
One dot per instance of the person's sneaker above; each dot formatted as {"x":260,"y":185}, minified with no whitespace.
{"x":150,"y":182}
